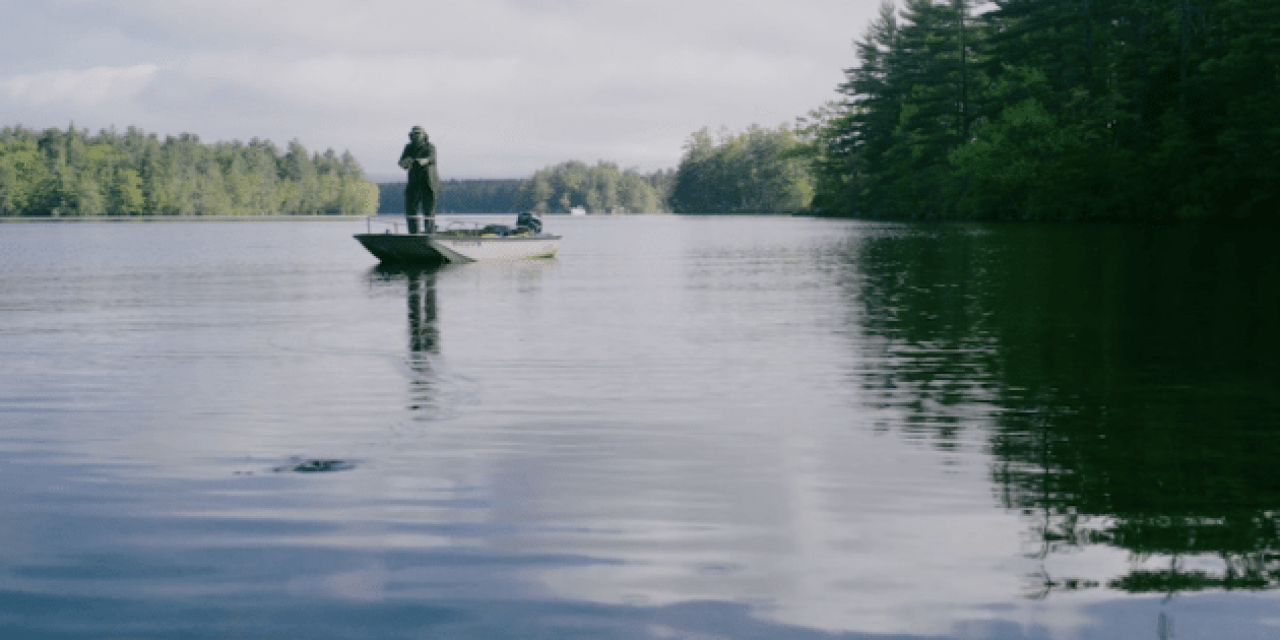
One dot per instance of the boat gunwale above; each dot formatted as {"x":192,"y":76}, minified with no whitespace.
{"x":440,"y":247}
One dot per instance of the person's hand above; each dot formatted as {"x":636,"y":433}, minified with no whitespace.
{"x":406,"y":163}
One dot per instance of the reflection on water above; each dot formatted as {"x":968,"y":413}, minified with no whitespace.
{"x":680,"y":428}
{"x":424,"y":334}
{"x":1130,"y":374}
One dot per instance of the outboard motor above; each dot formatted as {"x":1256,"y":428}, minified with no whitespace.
{"x":527,"y":220}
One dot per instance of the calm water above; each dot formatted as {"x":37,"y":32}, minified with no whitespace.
{"x":687,"y":428}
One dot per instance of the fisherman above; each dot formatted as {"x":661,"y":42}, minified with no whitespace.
{"x":419,"y":159}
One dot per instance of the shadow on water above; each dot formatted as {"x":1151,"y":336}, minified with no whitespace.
{"x":1124,"y":380}
{"x":299,"y":465}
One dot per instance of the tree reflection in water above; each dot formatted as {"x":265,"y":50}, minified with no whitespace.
{"x":1130,"y":373}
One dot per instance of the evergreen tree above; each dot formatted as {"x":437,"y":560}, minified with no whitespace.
{"x":603,"y":188}
{"x":24,"y":175}
{"x":931,"y":69}
{"x":1047,"y":109}
{"x":757,"y":171}
{"x":69,"y":173}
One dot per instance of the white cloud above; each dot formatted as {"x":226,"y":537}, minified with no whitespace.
{"x":505,"y":86}
{"x":82,"y":88}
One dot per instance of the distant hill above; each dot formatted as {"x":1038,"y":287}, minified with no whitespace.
{"x":458,"y":196}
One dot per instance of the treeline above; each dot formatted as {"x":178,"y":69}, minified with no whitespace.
{"x":458,"y":196}
{"x":757,"y":171}
{"x":73,"y":173}
{"x":1058,"y":109}
{"x":603,"y":188}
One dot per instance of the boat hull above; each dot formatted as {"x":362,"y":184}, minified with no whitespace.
{"x":436,"y":248}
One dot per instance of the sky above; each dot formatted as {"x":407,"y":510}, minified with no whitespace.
{"x":503,"y":87}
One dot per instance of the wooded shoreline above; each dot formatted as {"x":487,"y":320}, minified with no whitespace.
{"x":72,"y":173}
{"x":1057,"y":110}
{"x":999,"y":110}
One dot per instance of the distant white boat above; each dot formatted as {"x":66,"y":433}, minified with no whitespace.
{"x":577,"y":211}
{"x":492,"y":242}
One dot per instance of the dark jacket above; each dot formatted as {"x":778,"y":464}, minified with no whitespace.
{"x":419,"y":172}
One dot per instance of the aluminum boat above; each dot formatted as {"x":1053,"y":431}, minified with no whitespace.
{"x":459,"y":243}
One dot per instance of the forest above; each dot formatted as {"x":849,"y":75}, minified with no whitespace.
{"x":1056,"y":110}
{"x":759,"y":170}
{"x":458,"y":196}
{"x":56,"y":173}
{"x":1141,"y":110}
{"x":602,"y":188}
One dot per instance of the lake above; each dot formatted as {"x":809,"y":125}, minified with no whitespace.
{"x":682,"y":427}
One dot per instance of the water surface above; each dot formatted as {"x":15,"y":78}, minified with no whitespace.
{"x":682,"y":427}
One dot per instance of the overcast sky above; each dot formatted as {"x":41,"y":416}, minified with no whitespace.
{"x":504,"y":87}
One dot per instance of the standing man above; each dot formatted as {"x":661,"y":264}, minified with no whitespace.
{"x":419,"y":159}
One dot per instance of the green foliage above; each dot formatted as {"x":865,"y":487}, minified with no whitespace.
{"x":1025,"y":165}
{"x":458,"y":196}
{"x":757,"y":171}
{"x":1044,"y":109}
{"x":71,"y":173}
{"x":603,"y":188}
{"x":24,"y":177}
